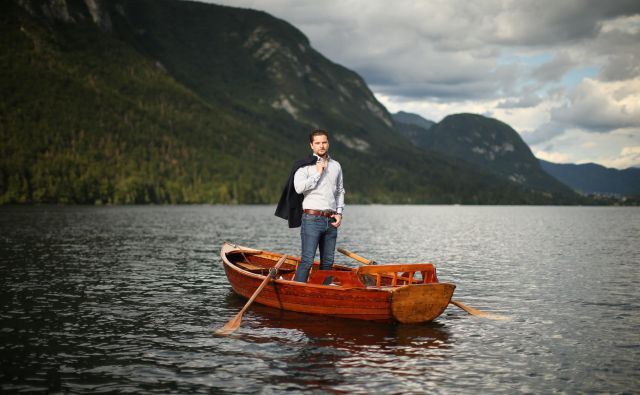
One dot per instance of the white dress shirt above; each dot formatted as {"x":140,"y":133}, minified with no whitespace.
{"x":321,"y":191}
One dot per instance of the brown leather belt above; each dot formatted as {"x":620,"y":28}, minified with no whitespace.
{"x":319,"y":213}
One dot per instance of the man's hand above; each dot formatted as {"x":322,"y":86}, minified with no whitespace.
{"x":321,"y":164}
{"x":338,"y":219}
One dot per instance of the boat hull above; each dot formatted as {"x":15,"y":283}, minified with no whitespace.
{"x":405,"y":303}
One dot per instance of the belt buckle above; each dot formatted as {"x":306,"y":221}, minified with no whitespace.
{"x":328,"y":213}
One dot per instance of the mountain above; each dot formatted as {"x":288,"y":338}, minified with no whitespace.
{"x":494,"y":146}
{"x":413,"y":127}
{"x":166,"y":101}
{"x":412,"y":119}
{"x":596,"y":179}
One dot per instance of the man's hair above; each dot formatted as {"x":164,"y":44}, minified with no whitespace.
{"x":318,"y":132}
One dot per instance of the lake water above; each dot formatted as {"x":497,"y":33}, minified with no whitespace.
{"x":125,"y":299}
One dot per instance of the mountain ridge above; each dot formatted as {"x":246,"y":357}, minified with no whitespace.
{"x":586,"y":179}
{"x":413,"y":127}
{"x":413,"y":119}
{"x":492,"y":145}
{"x":592,"y":178}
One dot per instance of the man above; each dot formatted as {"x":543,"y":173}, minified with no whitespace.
{"x":314,"y":199}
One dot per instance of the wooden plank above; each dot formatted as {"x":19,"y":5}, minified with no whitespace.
{"x":409,"y":267}
{"x":249,"y":266}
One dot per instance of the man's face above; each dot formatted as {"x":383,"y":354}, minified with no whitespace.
{"x":320,"y":145}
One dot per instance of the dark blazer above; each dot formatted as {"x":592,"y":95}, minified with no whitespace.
{"x":290,"y":204}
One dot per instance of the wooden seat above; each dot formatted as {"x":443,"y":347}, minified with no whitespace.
{"x":343,"y":278}
{"x":401,"y":274}
{"x":250,"y":267}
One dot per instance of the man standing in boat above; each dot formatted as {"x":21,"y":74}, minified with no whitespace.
{"x":314,"y":199}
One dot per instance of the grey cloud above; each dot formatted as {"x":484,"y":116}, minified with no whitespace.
{"x":621,"y":67}
{"x":437,"y":91}
{"x":621,"y":52}
{"x":550,"y":23}
{"x":589,"y":109}
{"x":554,"y":69}
{"x":445,"y":78}
{"x":459,"y":44}
{"x":527,"y":101}
{"x":544,"y":133}
{"x":448,"y":76}
{"x":590,"y":116}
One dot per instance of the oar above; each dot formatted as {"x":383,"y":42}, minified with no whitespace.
{"x":477,"y":312}
{"x":234,"y":323}
{"x":356,"y":257}
{"x":464,"y":307}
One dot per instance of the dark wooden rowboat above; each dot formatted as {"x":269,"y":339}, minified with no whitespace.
{"x":406,"y":293}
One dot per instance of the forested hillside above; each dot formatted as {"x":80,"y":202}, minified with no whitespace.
{"x":166,"y":101}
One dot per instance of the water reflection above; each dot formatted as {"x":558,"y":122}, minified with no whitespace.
{"x":343,"y":354}
{"x":351,"y":335}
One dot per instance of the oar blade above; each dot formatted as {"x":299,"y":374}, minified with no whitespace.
{"x":479,"y":313}
{"x":230,"y":326}
{"x":234,"y":323}
{"x":496,"y":317}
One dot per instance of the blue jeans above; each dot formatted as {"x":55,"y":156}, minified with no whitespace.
{"x":316,"y":231}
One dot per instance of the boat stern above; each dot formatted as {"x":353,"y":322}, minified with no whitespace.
{"x":412,"y":304}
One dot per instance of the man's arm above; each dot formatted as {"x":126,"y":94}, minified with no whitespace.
{"x":339,"y":201}
{"x":339,"y":194}
{"x":303,"y":182}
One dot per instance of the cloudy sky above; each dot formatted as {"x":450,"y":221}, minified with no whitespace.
{"x":564,"y":73}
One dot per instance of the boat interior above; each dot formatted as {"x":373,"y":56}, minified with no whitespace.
{"x":392,"y":275}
